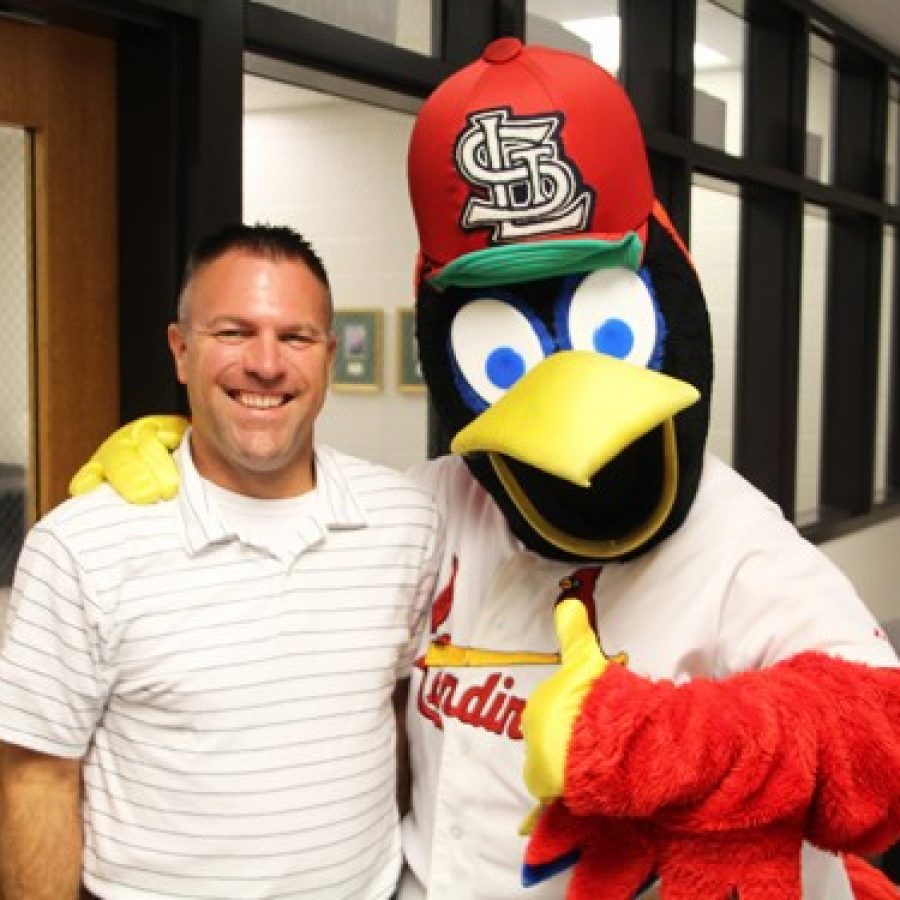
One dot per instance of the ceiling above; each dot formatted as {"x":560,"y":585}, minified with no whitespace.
{"x":877,"y":19}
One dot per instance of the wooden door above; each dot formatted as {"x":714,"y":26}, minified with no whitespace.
{"x":60,"y":86}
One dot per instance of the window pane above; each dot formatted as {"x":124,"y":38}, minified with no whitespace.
{"x":892,"y":155}
{"x":821,"y":86}
{"x":335,"y":170}
{"x":812,"y":356}
{"x":14,"y":366}
{"x":588,"y":27}
{"x":405,"y":23}
{"x":715,"y":246}
{"x":885,"y":362}
{"x":719,"y":77}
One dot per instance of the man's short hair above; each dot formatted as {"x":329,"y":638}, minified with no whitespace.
{"x":272,"y":242}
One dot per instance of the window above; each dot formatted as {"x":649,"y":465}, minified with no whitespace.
{"x":812,"y":360}
{"x":404,"y":23}
{"x":15,"y":423}
{"x":715,"y":246}
{"x":719,"y":77}
{"x":886,"y":363}
{"x":821,"y":84}
{"x":892,"y":154}
{"x":591,"y":28}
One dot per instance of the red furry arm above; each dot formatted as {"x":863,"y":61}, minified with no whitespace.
{"x":813,"y":739}
{"x":867,"y":882}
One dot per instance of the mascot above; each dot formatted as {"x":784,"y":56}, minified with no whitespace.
{"x":632,"y":656}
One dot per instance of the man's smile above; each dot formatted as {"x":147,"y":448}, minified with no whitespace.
{"x":255,"y":400}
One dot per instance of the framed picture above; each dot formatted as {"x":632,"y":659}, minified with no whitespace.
{"x":357,"y":359}
{"x":409,"y":373}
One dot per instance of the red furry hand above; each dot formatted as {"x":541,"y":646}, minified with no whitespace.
{"x":614,"y":858}
{"x":723,"y":780}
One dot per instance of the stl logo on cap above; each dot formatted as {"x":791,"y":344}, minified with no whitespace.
{"x":531,"y":187}
{"x":527,"y":163}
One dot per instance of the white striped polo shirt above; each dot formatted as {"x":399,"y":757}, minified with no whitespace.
{"x":232,"y":704}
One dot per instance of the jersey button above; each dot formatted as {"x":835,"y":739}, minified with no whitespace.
{"x":456,"y":832}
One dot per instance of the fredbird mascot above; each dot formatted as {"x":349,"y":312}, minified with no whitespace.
{"x":632,"y":656}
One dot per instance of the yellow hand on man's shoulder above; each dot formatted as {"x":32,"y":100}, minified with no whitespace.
{"x":136,"y":461}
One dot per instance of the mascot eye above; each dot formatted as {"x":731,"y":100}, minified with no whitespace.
{"x":493,"y":345}
{"x":612,"y":311}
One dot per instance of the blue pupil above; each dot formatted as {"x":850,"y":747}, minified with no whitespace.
{"x":504,"y":367}
{"x":614,"y":338}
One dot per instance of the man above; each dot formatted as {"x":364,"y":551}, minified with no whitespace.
{"x":195,"y":697}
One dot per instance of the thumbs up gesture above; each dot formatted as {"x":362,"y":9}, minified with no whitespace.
{"x":550,"y":713}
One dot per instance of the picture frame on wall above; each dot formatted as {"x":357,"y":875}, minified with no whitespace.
{"x":358,"y":352}
{"x":409,"y":372}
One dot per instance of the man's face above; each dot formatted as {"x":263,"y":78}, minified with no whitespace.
{"x":255,"y":355}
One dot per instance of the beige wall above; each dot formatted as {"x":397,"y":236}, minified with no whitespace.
{"x":871,"y":560}
{"x":334,"y":169}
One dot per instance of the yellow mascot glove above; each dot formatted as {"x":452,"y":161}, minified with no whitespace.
{"x":553,"y":707}
{"x":136,"y":461}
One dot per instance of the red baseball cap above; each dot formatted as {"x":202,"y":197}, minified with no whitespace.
{"x":527,"y":163}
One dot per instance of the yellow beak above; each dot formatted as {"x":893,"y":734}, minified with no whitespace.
{"x":575,"y":412}
{"x":569,"y":417}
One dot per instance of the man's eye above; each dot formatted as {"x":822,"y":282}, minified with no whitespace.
{"x":300,"y":339}
{"x":230,"y":335}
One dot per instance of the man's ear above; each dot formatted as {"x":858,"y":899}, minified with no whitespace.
{"x":178,"y":346}
{"x":331,"y":351}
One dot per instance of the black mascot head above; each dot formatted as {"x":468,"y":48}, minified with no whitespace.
{"x":562,"y":331}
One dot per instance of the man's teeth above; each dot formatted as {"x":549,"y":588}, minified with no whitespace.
{"x":260,"y":401}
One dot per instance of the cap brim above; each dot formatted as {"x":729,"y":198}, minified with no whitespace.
{"x":530,"y":261}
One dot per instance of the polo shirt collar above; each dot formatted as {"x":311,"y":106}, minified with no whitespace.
{"x":340,"y":505}
{"x":204,"y":526}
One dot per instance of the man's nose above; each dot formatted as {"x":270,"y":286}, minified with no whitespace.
{"x":262,"y":356}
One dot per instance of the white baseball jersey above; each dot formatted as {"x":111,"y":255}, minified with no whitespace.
{"x":736,"y":588}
